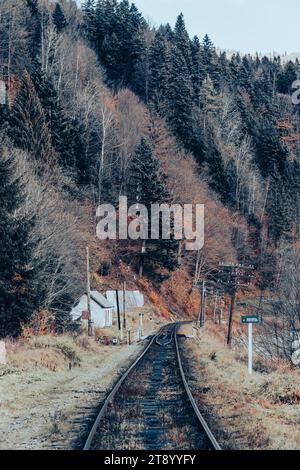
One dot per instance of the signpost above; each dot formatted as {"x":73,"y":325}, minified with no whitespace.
{"x":141,"y":315}
{"x":88,"y":292}
{"x":249,"y":320}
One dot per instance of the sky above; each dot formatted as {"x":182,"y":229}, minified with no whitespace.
{"x":248,"y":26}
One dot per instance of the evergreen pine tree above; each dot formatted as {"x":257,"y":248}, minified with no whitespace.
{"x":147,"y":186}
{"x":59,"y":19}
{"x":224,"y":71}
{"x":159,"y":73}
{"x":57,"y":123}
{"x":197,"y":69}
{"x":27,"y":123}
{"x":245,"y":75}
{"x":89,"y":26}
{"x":166,"y":31}
{"x":85,"y":151}
{"x":119,"y":38}
{"x":279,"y":208}
{"x":234,"y":67}
{"x":219,"y":180}
{"x":271,"y":153}
{"x":208,"y":100}
{"x":182,"y":41}
{"x":210,"y":60}
{"x":35,"y":25}
{"x":294,"y":179}
{"x":18,"y":293}
{"x":180,"y":95}
{"x":104,"y":21}
{"x":112,"y":56}
{"x":287,"y":77}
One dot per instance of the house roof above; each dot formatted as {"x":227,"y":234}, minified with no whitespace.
{"x":81,"y":306}
{"x":133,"y":299}
{"x":100,"y":299}
{"x":97,"y":300}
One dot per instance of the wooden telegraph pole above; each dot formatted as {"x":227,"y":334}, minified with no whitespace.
{"x":216,"y":306}
{"x":231,"y":314}
{"x":120,"y":327}
{"x":88,"y":292}
{"x":202,"y":305}
{"x":232,"y":277}
{"x":124,"y":305}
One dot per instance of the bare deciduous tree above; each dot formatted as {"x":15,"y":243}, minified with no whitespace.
{"x":55,"y":235}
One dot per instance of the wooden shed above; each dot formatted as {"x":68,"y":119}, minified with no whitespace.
{"x":101,"y":310}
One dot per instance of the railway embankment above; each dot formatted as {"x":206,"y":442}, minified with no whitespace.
{"x":261,"y":411}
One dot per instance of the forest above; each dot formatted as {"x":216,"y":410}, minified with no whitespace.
{"x":95,"y":99}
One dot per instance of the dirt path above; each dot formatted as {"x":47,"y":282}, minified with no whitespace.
{"x":40,"y":409}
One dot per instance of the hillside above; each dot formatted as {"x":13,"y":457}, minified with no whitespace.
{"x":95,"y":99}
{"x":135,"y":144}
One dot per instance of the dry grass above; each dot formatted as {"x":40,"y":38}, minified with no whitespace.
{"x":51,"y":352}
{"x":258,"y":412}
{"x":59,"y":352}
{"x":187,"y":330}
{"x":85,"y":343}
{"x":45,"y":404}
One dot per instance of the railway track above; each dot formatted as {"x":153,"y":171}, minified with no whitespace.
{"x":151,"y":407}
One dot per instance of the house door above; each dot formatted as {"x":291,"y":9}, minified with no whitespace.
{"x":107,"y":318}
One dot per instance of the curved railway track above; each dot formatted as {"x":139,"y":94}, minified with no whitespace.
{"x":151,"y":407}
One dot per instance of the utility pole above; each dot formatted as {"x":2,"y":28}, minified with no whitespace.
{"x":119,"y":318}
{"x":232,"y":277}
{"x":199,"y":320}
{"x":220,"y":316}
{"x":231,"y":314}
{"x":129,"y":337}
{"x":204,"y":304}
{"x":141,"y":315}
{"x":199,"y":314}
{"x":143,"y":251}
{"x":250,"y":349}
{"x":124,"y":305}
{"x":202,"y":309}
{"x":88,"y":292}
{"x":215,"y":306}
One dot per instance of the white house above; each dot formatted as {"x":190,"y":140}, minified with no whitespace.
{"x":101,"y":310}
{"x":133,"y":300}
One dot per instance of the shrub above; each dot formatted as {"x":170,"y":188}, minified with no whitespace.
{"x":105,"y":268}
{"x":63,"y":344}
{"x":84,"y":342}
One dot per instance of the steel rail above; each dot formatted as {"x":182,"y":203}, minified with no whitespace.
{"x":117,"y":386}
{"x":113,"y":394}
{"x":201,"y":419}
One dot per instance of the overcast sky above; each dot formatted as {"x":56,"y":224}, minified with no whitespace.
{"x":244,"y":25}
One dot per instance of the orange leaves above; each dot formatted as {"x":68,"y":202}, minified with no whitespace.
{"x":40,"y":325}
{"x":165,"y":313}
{"x":288,"y":131}
{"x":284,"y":124}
